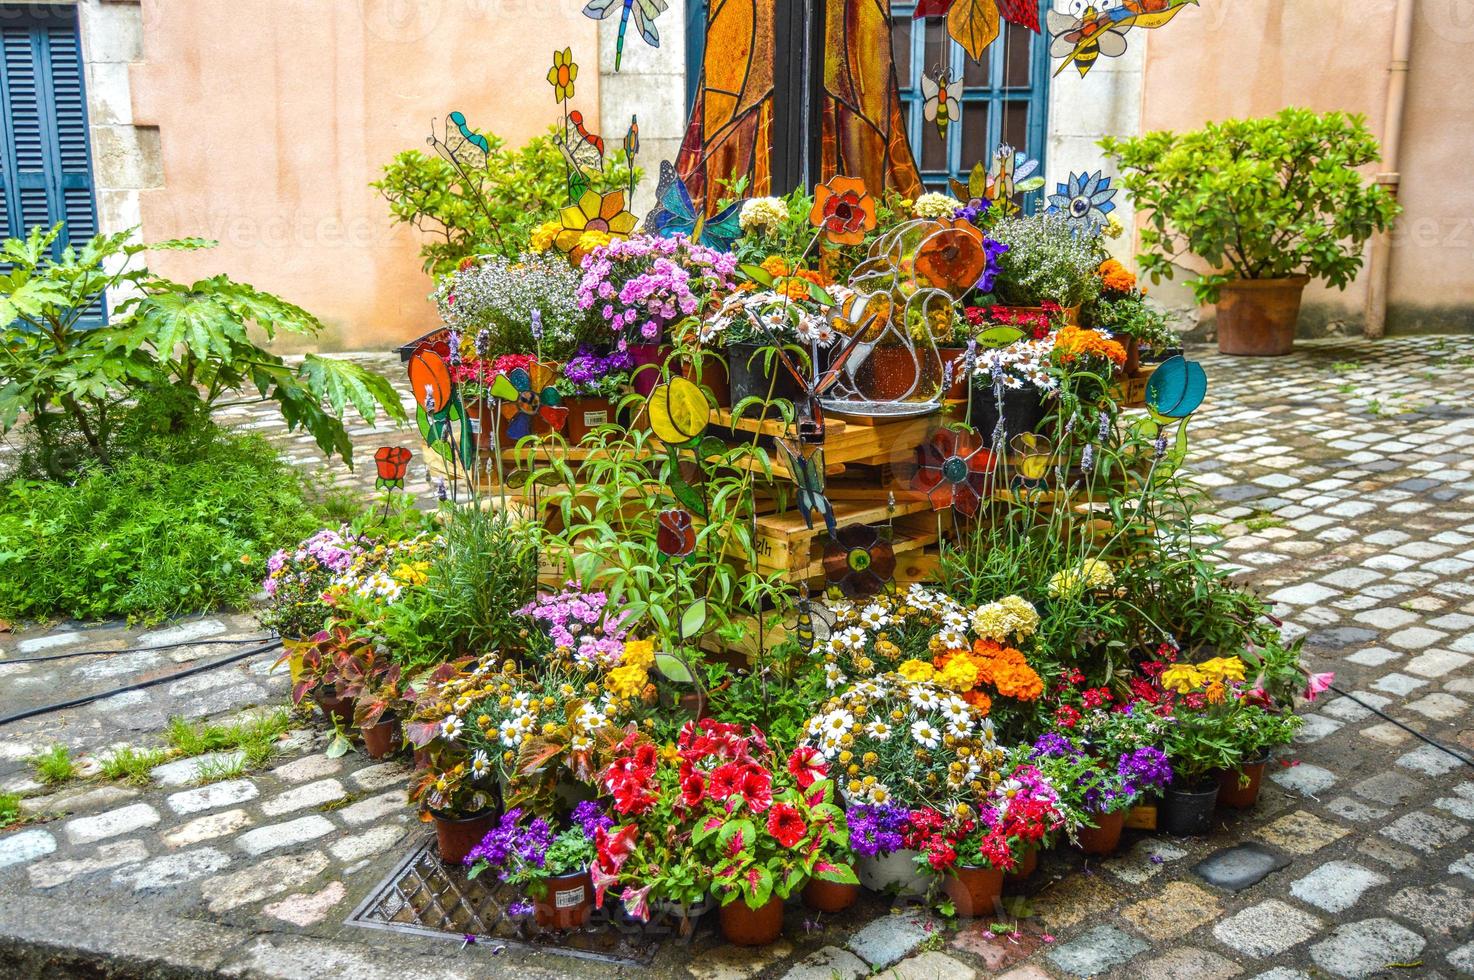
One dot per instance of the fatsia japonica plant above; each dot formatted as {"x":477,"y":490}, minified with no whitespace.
{"x":68,"y":378}
{"x":1268,"y":198}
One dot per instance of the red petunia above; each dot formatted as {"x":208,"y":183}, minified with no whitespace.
{"x":693,"y":787}
{"x":725,"y":780}
{"x":807,"y":765}
{"x":786,"y":825}
{"x":757,"y":789}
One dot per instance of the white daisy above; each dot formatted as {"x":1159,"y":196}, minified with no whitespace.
{"x":878,"y":730}
{"x":952,"y":639}
{"x":833,"y":676}
{"x":480,"y":764}
{"x":879,"y":793}
{"x":923,"y":732}
{"x":838,"y":723}
{"x":924,"y":698}
{"x":873,"y":617}
{"x":509,"y":733}
{"x":452,"y":727}
{"x":591,"y":717}
{"x":955,"y":710}
{"x":581,"y":743}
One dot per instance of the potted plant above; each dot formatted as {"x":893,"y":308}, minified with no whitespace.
{"x":377,"y":710}
{"x":591,"y":384}
{"x":752,"y":323}
{"x":1096,"y":791}
{"x":552,"y":870}
{"x":1122,"y":311}
{"x":1268,"y":204}
{"x":1046,"y":262}
{"x":295,"y":583}
{"x":1256,"y":729}
{"x":1012,"y":384}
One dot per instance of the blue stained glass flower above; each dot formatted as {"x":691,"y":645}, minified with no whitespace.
{"x":1084,"y":200}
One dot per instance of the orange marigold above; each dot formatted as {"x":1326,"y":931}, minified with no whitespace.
{"x":1115,"y":277}
{"x":978,"y":700}
{"x":1075,"y":343}
{"x":1006,"y":670}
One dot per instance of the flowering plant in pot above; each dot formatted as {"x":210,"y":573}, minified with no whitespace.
{"x":551,"y":869}
{"x":1046,"y":261}
{"x":1122,"y":310}
{"x":591,"y":384}
{"x":1267,"y":204}
{"x":496,"y":305}
{"x":296,"y":580}
{"x":1095,"y":791}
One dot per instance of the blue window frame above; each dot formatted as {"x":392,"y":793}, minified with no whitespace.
{"x":1004,"y":98}
{"x":45,"y":153}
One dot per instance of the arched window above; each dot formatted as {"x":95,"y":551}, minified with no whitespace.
{"x":1004,"y":98}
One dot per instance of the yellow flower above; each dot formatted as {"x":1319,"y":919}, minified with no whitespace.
{"x":1182,"y":678}
{"x":627,"y":681}
{"x":562,"y":74}
{"x":640,"y":653}
{"x":916,"y":670}
{"x":960,"y":674}
{"x":1223,"y":668}
{"x":544,"y":235}
{"x":594,"y":212}
{"x":1090,"y":574}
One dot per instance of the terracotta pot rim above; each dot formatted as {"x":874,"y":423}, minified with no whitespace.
{"x":444,"y":817}
{"x":1282,"y":283}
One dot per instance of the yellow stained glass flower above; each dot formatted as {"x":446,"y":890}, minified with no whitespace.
{"x":562,"y":74}
{"x":595,"y":212}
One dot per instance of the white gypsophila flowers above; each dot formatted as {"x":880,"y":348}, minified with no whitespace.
{"x":1047,"y":261}
{"x":501,"y":296}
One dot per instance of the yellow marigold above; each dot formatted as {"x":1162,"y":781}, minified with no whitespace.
{"x":544,"y":235}
{"x":1215,"y":691}
{"x":1025,"y":616}
{"x":960,"y":674}
{"x":916,"y":670}
{"x":639,"y":653}
{"x":1078,"y":343}
{"x":627,"y":681}
{"x":1090,"y":574}
{"x":1223,"y":668}
{"x":1182,"y":678}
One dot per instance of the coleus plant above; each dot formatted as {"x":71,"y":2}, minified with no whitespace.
{"x":762,"y":825}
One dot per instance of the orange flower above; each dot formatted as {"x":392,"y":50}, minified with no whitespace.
{"x":978,"y":700}
{"x":952,"y":259}
{"x":1006,"y":670}
{"x":1115,"y":277}
{"x":1074,"y":343}
{"x":843,"y":209}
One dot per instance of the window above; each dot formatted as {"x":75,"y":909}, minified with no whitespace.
{"x":45,"y":159}
{"x":1003,"y":98}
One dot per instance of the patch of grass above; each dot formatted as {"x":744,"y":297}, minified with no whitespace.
{"x":54,"y":766}
{"x":133,"y":765}
{"x":340,"y":803}
{"x":1263,"y":521}
{"x":9,"y":809}
{"x":256,"y":740}
{"x":1346,"y":388}
{"x":1345,"y":367}
{"x":219,"y":770}
{"x":1374,"y":406}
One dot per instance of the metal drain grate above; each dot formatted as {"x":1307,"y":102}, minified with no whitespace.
{"x":424,"y":897}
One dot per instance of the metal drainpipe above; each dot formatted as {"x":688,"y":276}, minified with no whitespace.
{"x":1379,"y":261}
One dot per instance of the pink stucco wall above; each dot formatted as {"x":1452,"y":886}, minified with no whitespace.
{"x":274,"y":116}
{"x":1254,"y":57}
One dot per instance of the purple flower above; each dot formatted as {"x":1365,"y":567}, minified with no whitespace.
{"x":1144,"y":769}
{"x":992,"y":249}
{"x":1053,"y":744}
{"x":876,"y":831}
{"x":518,"y":909}
{"x":591,"y":818}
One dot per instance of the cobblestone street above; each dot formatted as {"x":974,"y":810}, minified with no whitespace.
{"x":1342,"y":481}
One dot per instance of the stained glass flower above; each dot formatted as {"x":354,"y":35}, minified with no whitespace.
{"x":952,"y":258}
{"x":675,"y":536}
{"x":527,"y":394}
{"x":595,"y":212}
{"x":562,"y":74}
{"x":843,"y":209}
{"x":392,"y":463}
{"x":955,"y":470}
{"x":1085,"y":201}
{"x":859,"y":561}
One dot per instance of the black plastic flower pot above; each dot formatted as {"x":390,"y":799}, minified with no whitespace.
{"x":1023,"y":411}
{"x":1188,"y":812}
{"x":751,"y":374}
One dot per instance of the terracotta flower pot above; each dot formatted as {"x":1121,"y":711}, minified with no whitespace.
{"x":335,"y":708}
{"x":896,"y":873}
{"x":1257,"y":317}
{"x":1188,"y":811}
{"x":1025,"y":865}
{"x":649,"y":359}
{"x":743,"y":926}
{"x":830,"y":896}
{"x":585,"y":415}
{"x":974,"y":891}
{"x":1104,"y":838}
{"x":457,"y":835}
{"x":480,"y":414}
{"x":1240,"y":794}
{"x":567,"y":903}
{"x":383,"y":739}
{"x":890,"y":373}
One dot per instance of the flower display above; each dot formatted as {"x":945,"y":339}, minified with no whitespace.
{"x":581,"y":624}
{"x":1074,"y":344}
{"x":843,"y":210}
{"x":1115,"y":278}
{"x":640,"y":286}
{"x":1088,"y":576}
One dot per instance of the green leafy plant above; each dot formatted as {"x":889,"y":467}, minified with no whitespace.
{"x":55,"y":765}
{"x":485,"y":210}
{"x":255,"y":738}
{"x":1263,"y":198}
{"x":1046,"y":261}
{"x":133,"y":765}
{"x":179,"y":524}
{"x":9,"y":809}
{"x":66,"y":375}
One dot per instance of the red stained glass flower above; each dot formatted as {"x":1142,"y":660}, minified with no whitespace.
{"x":955,"y":470}
{"x":675,"y":536}
{"x":392,"y":463}
{"x":843,"y":209}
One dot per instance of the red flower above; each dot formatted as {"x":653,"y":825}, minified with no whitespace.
{"x":645,"y":758}
{"x":693,"y":787}
{"x":392,"y":463}
{"x":807,"y":765}
{"x":843,"y":210}
{"x":786,"y":825}
{"x":675,"y":537}
{"x":1067,"y":716}
{"x":757,"y":789}
{"x":725,"y":780}
{"x":1096,"y":696}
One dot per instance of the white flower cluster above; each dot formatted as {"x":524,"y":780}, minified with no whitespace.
{"x":1023,"y":362}
{"x":499,"y":295}
{"x":934,"y":205}
{"x":762,"y":215}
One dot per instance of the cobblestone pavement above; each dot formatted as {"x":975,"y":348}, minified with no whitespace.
{"x":1342,"y":478}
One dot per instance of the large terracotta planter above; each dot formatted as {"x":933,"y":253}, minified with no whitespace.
{"x":743,"y":926}
{"x":1240,"y":794}
{"x":974,"y":891}
{"x":567,"y":903}
{"x":830,"y":896}
{"x":896,"y":873}
{"x":1026,"y":864}
{"x":1257,"y":317}
{"x":457,"y":835}
{"x":1104,"y":838}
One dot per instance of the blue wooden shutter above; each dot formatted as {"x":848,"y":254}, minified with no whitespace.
{"x":45,"y":157}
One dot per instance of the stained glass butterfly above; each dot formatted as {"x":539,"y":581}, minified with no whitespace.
{"x":674,"y":214}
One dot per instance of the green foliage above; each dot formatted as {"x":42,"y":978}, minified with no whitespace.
{"x":133,"y":765}
{"x":68,"y":379}
{"x":490,"y":210}
{"x":1046,"y":261}
{"x":9,"y":809}
{"x":54,"y":766}
{"x":1262,"y":198}
{"x":255,"y":738}
{"x":185,"y":523}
